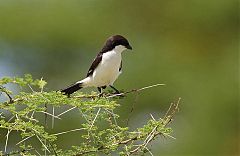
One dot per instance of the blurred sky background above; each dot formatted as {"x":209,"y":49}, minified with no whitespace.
{"x":191,"y":45}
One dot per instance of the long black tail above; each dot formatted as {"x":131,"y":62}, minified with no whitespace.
{"x":72,"y":88}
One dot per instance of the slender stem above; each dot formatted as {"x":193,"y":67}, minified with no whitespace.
{"x":6,"y":142}
{"x":66,"y":111}
{"x":53,"y":111}
{"x":73,"y":130}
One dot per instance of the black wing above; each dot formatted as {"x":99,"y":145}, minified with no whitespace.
{"x":94,"y":65}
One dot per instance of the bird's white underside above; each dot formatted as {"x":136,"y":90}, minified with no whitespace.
{"x":107,"y":71}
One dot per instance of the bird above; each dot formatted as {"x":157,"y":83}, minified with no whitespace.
{"x":105,"y":68}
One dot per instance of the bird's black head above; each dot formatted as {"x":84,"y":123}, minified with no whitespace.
{"x":115,"y":41}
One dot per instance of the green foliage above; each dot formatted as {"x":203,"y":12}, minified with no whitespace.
{"x":100,"y":132}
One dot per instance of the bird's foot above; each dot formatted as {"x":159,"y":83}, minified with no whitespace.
{"x":103,"y":94}
{"x":119,"y":94}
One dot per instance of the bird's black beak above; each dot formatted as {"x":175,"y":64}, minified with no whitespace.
{"x":129,"y":47}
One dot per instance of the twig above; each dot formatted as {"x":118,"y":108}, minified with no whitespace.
{"x":150,"y":136}
{"x":172,"y":110}
{"x":115,"y":121}
{"x":32,"y":114}
{"x":113,"y":115}
{"x":170,"y":136}
{"x":149,"y":151}
{"x":53,"y":111}
{"x":50,"y":114}
{"x":43,"y":144}
{"x":17,"y":117}
{"x":37,"y":152}
{"x":11,"y":118}
{"x":128,"y":154}
{"x":45,"y":117}
{"x":55,"y":153}
{"x":148,"y":139}
{"x":84,"y":116}
{"x":152,"y":117}
{"x":24,"y":139}
{"x":31,"y":88}
{"x":12,"y":101}
{"x":95,"y":119}
{"x":6,"y":142}
{"x":66,"y":111}
{"x":41,"y":87}
{"x":134,"y":90}
{"x":45,"y":150}
{"x":73,"y":130}
{"x":133,"y":106}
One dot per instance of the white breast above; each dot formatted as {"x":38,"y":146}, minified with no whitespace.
{"x":108,"y":69}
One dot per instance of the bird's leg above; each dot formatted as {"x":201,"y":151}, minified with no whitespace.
{"x":100,"y":91}
{"x":117,"y":91}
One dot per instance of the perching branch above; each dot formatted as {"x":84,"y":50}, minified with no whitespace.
{"x":119,"y":94}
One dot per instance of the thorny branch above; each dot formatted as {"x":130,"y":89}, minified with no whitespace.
{"x":173,"y":109}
